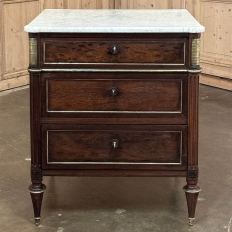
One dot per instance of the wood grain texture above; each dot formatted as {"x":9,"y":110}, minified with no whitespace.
{"x":94,"y":95}
{"x":149,"y":4}
{"x":14,"y":82}
{"x":14,"y":42}
{"x":139,"y":95}
{"x":37,"y":199}
{"x":193,"y":100}
{"x":71,"y":51}
{"x":76,"y":4}
{"x":216,"y":41}
{"x":223,"y":83}
{"x":93,"y":144}
{"x":190,"y":5}
{"x":191,"y":199}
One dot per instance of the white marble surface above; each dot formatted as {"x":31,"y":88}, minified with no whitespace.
{"x":116,"y":21}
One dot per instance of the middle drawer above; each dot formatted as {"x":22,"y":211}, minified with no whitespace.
{"x":115,"y":94}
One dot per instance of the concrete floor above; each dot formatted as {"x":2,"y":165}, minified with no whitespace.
{"x":117,"y":204}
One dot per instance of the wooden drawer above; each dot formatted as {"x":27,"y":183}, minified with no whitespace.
{"x":117,"y":94}
{"x":114,"y":51}
{"x":70,"y":145}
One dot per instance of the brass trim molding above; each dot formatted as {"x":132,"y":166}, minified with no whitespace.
{"x":34,"y":70}
{"x":197,"y":190}
{"x":33,"y":51}
{"x":195,"y":57}
{"x":37,"y":221}
{"x":35,"y":191}
{"x":191,"y":221}
{"x":118,"y":70}
{"x":110,"y":64}
{"x":194,"y":70}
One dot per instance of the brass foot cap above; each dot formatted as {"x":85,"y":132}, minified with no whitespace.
{"x":37,"y":190}
{"x":37,"y":221}
{"x":197,"y":189}
{"x":191,"y":221}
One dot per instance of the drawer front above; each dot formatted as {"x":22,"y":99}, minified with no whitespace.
{"x":119,"y":94}
{"x":116,"y":51}
{"x":113,"y":145}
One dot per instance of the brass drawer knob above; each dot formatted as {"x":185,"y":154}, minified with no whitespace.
{"x":114,"y":91}
{"x":114,"y":143}
{"x":114,"y":49}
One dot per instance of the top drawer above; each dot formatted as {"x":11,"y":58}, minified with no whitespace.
{"x":115,"y":52}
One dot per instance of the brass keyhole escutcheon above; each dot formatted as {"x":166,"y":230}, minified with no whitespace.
{"x":114,"y":91}
{"x":114,"y":143}
{"x":114,"y":49}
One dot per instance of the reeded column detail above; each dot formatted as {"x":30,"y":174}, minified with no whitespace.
{"x":33,"y":51}
{"x":196,"y":47}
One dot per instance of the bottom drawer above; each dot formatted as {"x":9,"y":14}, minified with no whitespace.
{"x":66,"y":146}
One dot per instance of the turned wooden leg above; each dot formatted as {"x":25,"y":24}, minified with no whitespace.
{"x":36,"y":191}
{"x":191,"y":193}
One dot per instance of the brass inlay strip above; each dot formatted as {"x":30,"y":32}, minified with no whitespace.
{"x":129,"y":63}
{"x":119,"y":70}
{"x":124,"y":163}
{"x":195,"y":71}
{"x":32,"y":51}
{"x":196,"y":190}
{"x":121,"y":111}
{"x":36,"y":192}
{"x":195,"y":57}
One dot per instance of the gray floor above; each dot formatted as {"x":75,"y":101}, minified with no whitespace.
{"x":117,"y":204}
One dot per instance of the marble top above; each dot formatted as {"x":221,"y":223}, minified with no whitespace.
{"x":115,"y":21}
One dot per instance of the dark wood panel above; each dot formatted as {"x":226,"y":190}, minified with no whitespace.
{"x":193,"y":96}
{"x":35,"y":114}
{"x":92,"y":144}
{"x":75,"y":51}
{"x":139,"y":95}
{"x":130,"y":95}
{"x":161,"y":96}
{"x":95,"y":146}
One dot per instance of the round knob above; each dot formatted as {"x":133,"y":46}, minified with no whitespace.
{"x":114,"y":49}
{"x":113,"y":91}
{"x":114,"y":143}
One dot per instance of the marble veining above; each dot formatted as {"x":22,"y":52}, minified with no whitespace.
{"x":116,"y":21}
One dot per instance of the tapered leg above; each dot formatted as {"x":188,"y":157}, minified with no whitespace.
{"x":36,"y":192}
{"x":192,"y":189}
{"x":191,"y":193}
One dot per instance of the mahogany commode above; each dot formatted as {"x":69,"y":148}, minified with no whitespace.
{"x":111,"y":99}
